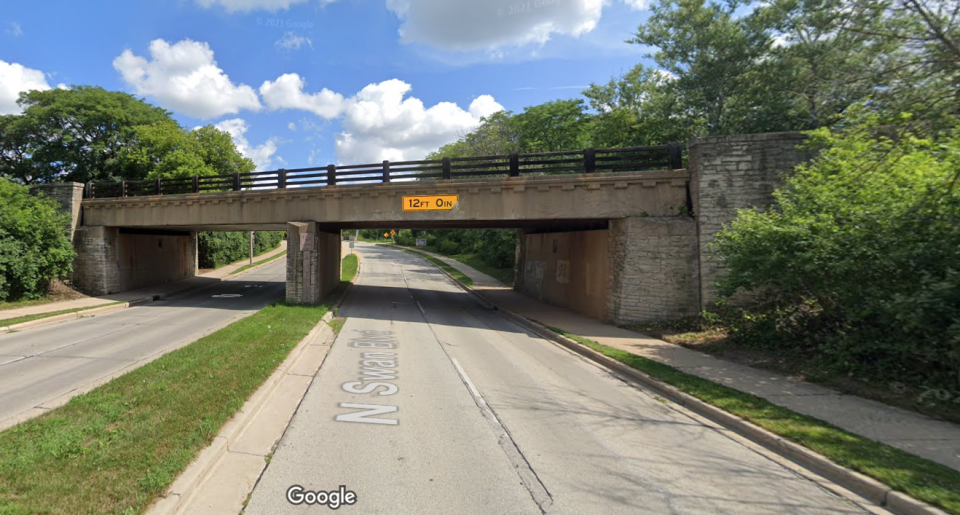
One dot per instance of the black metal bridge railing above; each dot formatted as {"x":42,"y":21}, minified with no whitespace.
{"x":590,"y":160}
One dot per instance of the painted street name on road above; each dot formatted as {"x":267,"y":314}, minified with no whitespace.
{"x":376,"y":368}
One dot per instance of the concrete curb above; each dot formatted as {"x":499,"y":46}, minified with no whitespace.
{"x":91,"y":311}
{"x":100,"y":310}
{"x":198,"y":487}
{"x":860,"y":484}
{"x":214,"y":485}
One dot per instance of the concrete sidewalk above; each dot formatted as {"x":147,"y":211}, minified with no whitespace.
{"x":140,"y":293}
{"x":929,"y":438}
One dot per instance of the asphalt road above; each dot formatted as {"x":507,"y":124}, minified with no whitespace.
{"x":429,"y":403}
{"x":43,"y":367}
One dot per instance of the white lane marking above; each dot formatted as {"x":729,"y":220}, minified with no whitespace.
{"x":226,"y":295}
{"x":538,"y":491}
{"x":473,"y":389}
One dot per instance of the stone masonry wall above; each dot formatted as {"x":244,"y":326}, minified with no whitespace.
{"x":96,"y":269}
{"x":68,"y":194}
{"x":730,"y":173}
{"x":653,"y":265}
{"x":313,"y":262}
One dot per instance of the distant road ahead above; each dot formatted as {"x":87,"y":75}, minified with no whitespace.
{"x":42,"y":365}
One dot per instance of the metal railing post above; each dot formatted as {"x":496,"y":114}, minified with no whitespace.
{"x":236,"y":181}
{"x":589,"y":160}
{"x":331,"y":175}
{"x":446,"y":168}
{"x":196,"y":184}
{"x":282,"y":178}
{"x":159,"y":192}
{"x":386,"y":171}
{"x":123,"y":188}
{"x":676,"y":156}
{"x":514,"y":164}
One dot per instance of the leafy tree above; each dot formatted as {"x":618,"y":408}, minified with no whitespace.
{"x":552,"y":126}
{"x":166,"y":150}
{"x":710,"y":52}
{"x":496,"y":135}
{"x":34,"y":247}
{"x":859,"y":256}
{"x":640,"y":108}
{"x":76,"y":134}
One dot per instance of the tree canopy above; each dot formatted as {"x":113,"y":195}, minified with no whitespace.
{"x":87,"y":133}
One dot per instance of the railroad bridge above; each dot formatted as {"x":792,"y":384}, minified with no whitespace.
{"x":616,"y":234}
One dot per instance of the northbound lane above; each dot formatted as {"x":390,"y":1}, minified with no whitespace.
{"x":429,"y":403}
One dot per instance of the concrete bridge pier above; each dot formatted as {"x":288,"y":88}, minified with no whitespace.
{"x":313,"y":262}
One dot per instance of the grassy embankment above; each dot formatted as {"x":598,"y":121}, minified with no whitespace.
{"x":114,"y":449}
{"x":457,"y":274}
{"x":912,"y":475}
{"x":716,"y":338}
{"x":504,"y":275}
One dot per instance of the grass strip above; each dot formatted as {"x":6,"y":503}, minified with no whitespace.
{"x":25,"y":303}
{"x":348,"y":268}
{"x":917,"y":477}
{"x":116,"y":448}
{"x":38,"y":316}
{"x":262,"y":261}
{"x":457,"y":274}
{"x":504,"y":275}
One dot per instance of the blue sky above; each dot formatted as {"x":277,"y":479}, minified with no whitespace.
{"x":309,"y":82}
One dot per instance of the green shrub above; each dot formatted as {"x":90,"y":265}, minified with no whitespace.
{"x":449,"y":247}
{"x":217,"y":249}
{"x":497,"y":247}
{"x":34,"y":242}
{"x":859,"y":259}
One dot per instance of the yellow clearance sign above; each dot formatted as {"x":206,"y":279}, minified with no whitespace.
{"x":430,"y":202}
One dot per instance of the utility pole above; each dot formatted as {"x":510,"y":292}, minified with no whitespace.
{"x":251,"y":247}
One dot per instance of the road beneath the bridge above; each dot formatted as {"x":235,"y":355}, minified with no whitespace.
{"x":42,"y":367}
{"x":430,"y":403}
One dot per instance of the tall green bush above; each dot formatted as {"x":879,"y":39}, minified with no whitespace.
{"x":218,"y":249}
{"x":859,"y":259}
{"x":34,"y":242}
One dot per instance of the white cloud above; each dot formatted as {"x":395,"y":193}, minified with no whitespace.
{"x":250,"y":5}
{"x":184,"y":77}
{"x":637,"y":5}
{"x":379,"y":123}
{"x":469,"y":25}
{"x":255,"y":5}
{"x":15,"y":78}
{"x":292,"y":126}
{"x":293,"y":41}
{"x":14,"y":29}
{"x":287,"y":93}
{"x":262,"y":155}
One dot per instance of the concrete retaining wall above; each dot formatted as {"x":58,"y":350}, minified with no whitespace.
{"x":568,"y":269}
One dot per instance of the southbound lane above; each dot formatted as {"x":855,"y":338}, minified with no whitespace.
{"x":42,"y":367}
{"x":429,"y":403}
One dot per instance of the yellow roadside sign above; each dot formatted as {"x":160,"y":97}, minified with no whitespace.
{"x":386,"y":235}
{"x":429,"y":202}
{"x":393,"y":233}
